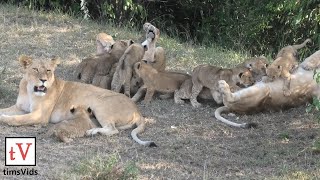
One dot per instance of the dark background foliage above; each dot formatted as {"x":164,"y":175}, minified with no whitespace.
{"x":258,"y":26}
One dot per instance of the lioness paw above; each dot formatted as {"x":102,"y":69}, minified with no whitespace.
{"x":91,"y":132}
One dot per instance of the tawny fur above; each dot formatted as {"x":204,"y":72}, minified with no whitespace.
{"x":124,"y":70}
{"x":103,"y":42}
{"x":75,"y":126}
{"x":100,"y":65}
{"x":43,"y":98}
{"x":285,"y":63}
{"x":154,"y":81}
{"x":208,"y":76}
{"x":269,"y":95}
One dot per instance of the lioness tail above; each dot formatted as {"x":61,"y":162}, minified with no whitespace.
{"x":140,"y":128}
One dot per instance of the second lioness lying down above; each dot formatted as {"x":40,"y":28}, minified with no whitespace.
{"x":154,"y":81}
{"x":265,"y":96}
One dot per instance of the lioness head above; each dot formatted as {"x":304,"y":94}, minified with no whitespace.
{"x":39,"y":74}
{"x":274,"y":71}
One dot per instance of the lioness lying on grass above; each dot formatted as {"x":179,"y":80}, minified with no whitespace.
{"x":43,"y":98}
{"x":264,"y":96}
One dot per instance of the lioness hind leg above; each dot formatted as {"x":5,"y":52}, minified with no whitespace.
{"x":106,"y":130}
{"x":225,"y":90}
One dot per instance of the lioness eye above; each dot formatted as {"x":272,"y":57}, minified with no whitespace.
{"x":48,"y":70}
{"x":35,"y":69}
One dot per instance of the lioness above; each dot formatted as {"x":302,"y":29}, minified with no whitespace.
{"x":104,"y":43}
{"x":152,"y":34}
{"x":164,"y":82}
{"x":285,"y":63}
{"x":262,"y":96}
{"x":43,"y":98}
{"x":76,"y":126}
{"x":208,"y":76}
{"x":124,"y":70}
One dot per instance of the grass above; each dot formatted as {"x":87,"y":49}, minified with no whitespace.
{"x":284,"y":146}
{"x":99,"y":168}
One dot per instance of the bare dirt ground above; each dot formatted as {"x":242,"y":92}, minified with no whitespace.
{"x":192,"y":143}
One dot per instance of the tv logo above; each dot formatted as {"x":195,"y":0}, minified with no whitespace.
{"x":20,"y":151}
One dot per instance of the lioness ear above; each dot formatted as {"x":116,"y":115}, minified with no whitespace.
{"x":55,"y":61}
{"x":131,"y":42}
{"x":157,"y":32}
{"x":25,"y":61}
{"x":89,"y":110}
{"x":240,"y":75}
{"x":72,"y":109}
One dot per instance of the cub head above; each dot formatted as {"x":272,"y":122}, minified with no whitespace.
{"x":257,"y":65}
{"x":274,"y":71}
{"x":142,"y":69}
{"x":152,"y":34}
{"x":245,"y":79}
{"x":39,"y":74}
{"x":81,"y":111}
{"x":104,"y":43}
{"x":118,"y":48}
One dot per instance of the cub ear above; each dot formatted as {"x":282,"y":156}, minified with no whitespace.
{"x":145,"y":47}
{"x":240,"y":75}
{"x":72,"y":109}
{"x":138,"y":65}
{"x":124,"y":43}
{"x":25,"y":61}
{"x":131,"y":42}
{"x":279,"y":67}
{"x":89,"y":110}
{"x":55,"y":61}
{"x":266,"y":65}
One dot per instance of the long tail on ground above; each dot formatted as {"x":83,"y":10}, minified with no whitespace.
{"x":140,"y":128}
{"x":299,"y":46}
{"x":222,"y":109}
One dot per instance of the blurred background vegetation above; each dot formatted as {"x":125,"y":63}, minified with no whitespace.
{"x":257,"y":26}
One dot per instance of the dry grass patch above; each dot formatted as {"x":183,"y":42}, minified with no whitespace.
{"x":192,"y":144}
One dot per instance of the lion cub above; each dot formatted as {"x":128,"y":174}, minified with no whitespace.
{"x":208,"y":76}
{"x":285,"y":63}
{"x":104,"y":43}
{"x":163,"y":82}
{"x":76,"y":126}
{"x":124,"y":70}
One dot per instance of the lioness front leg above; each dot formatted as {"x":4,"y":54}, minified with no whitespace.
{"x":33,"y":118}
{"x":13,"y":110}
{"x":225,"y":90}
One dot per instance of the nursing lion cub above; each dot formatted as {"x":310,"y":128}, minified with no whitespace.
{"x":285,"y":63}
{"x":208,"y":76}
{"x":154,"y":81}
{"x":76,"y":126}
{"x":43,"y":98}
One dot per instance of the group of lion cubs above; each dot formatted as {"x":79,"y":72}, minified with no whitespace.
{"x":138,"y":69}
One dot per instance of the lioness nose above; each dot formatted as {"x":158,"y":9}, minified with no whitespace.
{"x":43,"y":80}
